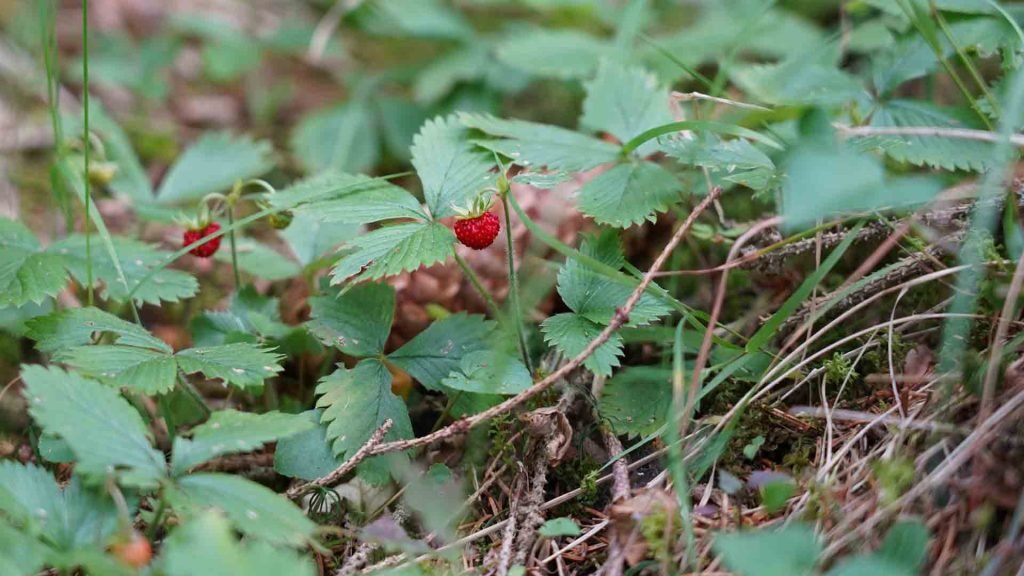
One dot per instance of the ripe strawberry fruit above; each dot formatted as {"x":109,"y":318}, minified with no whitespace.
{"x":133,"y":550}
{"x":206,"y":249}
{"x":477,"y":232}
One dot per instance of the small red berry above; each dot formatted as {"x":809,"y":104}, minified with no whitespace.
{"x":133,"y":550}
{"x":206,"y":249}
{"x":478,"y":232}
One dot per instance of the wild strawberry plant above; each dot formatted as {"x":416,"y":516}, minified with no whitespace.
{"x":224,"y":381}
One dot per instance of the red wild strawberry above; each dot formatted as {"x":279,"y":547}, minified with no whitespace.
{"x":477,"y":232}
{"x":206,"y":249}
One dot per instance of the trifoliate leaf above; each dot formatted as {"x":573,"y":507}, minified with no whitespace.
{"x":253,"y":509}
{"x":137,"y":260}
{"x":213,"y":163}
{"x":27,"y":273}
{"x":394,"y":249}
{"x":207,"y":545}
{"x":103,"y":430}
{"x":538,"y":145}
{"x":789,"y":551}
{"x":572,"y":333}
{"x":933,"y":151}
{"x":357,"y":321}
{"x":342,"y":138}
{"x":624,"y":102}
{"x":141,"y":369}
{"x":241,"y":364}
{"x":439,"y":350}
{"x":564,"y":54}
{"x":229,"y":432}
{"x":629,"y":193}
{"x":489,"y":372}
{"x":452,"y":169}
{"x":356,"y":402}
{"x":635,"y":401}
{"x":79,"y":326}
{"x":307,"y":455}
{"x":595,"y":296}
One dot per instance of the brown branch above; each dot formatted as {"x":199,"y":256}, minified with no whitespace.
{"x":620,"y":317}
{"x":621,"y":490}
{"x":349,"y":465}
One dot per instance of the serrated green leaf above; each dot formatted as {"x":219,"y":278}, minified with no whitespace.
{"x":241,"y":364}
{"x":357,"y":321}
{"x":27,"y":273}
{"x":737,"y":160}
{"x":439,"y":350}
{"x":572,"y":333}
{"x":439,"y":77}
{"x":342,"y":138}
{"x":634,"y":401}
{"x":394,"y":249}
{"x":141,"y":369}
{"x":452,"y":169}
{"x":933,"y":151}
{"x":365,"y":204}
{"x":356,"y":402}
{"x":207,"y":545}
{"x":102,"y":429}
{"x":230,"y":432}
{"x":250,"y":317}
{"x":330,"y":185}
{"x":789,"y":551}
{"x":625,"y":102}
{"x":489,"y":372}
{"x":20,"y":553}
{"x":629,"y":194}
{"x":137,"y":259}
{"x":79,"y":326}
{"x":537,"y":145}
{"x":564,"y":54}
{"x":253,"y":509}
{"x":307,"y":455}
{"x":594,"y":295}
{"x":213,"y":163}
{"x":65,"y":519}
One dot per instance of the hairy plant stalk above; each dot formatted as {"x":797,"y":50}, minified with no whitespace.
{"x":513,"y":287}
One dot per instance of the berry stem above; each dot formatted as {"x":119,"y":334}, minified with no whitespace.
{"x":513,"y":286}
{"x":86,"y":147}
{"x":475,"y":281}
{"x":234,"y":247}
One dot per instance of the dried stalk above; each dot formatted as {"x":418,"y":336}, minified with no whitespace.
{"x":349,"y":464}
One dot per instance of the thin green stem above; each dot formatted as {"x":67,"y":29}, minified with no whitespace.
{"x":968,"y":64}
{"x":697,"y":126}
{"x":158,"y":517}
{"x":234,"y":248}
{"x":513,"y":286}
{"x":480,"y":288}
{"x":194,"y":394}
{"x":87,"y":148}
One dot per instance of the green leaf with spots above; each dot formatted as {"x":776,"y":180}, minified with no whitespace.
{"x":103,"y":430}
{"x":231,"y":432}
{"x":240,"y":364}
{"x":439,"y":350}
{"x":141,"y":369}
{"x":538,"y":145}
{"x":78,"y":326}
{"x":356,"y":321}
{"x":489,"y":372}
{"x":252,"y":508}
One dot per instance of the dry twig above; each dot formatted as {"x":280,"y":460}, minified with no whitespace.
{"x":348,"y":465}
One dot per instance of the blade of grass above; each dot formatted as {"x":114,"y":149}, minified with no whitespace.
{"x":676,"y":462}
{"x":769,"y":328}
{"x":964,"y":59}
{"x":87,"y":148}
{"x":698,"y":126}
{"x":956,"y":331}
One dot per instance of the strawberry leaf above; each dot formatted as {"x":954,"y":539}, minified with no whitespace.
{"x":213,"y":163}
{"x":439,"y":350}
{"x":27,"y":273}
{"x":453,"y":170}
{"x":571,"y":333}
{"x":394,"y":249}
{"x":357,"y":322}
{"x":625,"y":102}
{"x":629,"y":194}
{"x":229,"y":432}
